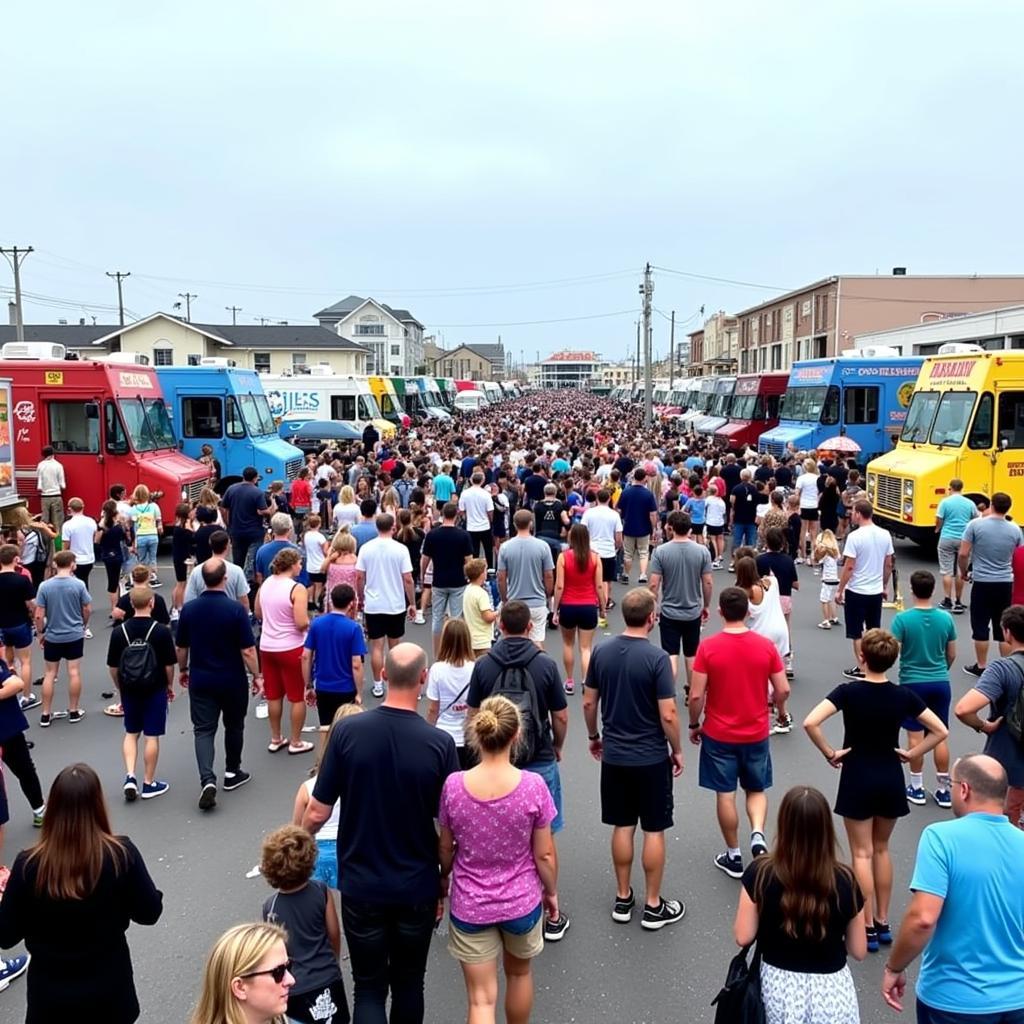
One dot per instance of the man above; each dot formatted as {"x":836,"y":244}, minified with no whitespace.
{"x":551,"y":520}
{"x":864,"y":580}
{"x":927,"y":639}
{"x":78,"y":535}
{"x":63,"y":606}
{"x":444,"y":486}
{"x":387,"y":841}
{"x":332,"y":656}
{"x":386,"y":593}
{"x":999,"y":688}
{"x":447,"y":548}
{"x":986,"y":551}
{"x":728,"y":688}
{"x":526,"y":572}
{"x":366,"y":529}
{"x":955,"y":511}
{"x":730,"y":472}
{"x":743,"y":500}
{"x":215,"y":639}
{"x":17,"y":609}
{"x":605,"y":528}
{"x":245,"y":510}
{"x":50,"y":482}
{"x":639,"y":512}
{"x":371,"y":437}
{"x":681,"y":571}
{"x":640,"y":753}
{"x":515,"y":649}
{"x":281,"y":529}
{"x":145,"y":680}
{"x":477,"y":506}
{"x":236,"y":586}
{"x":967,"y":911}
{"x":357,"y":470}
{"x":15,"y":750}
{"x":535,"y":481}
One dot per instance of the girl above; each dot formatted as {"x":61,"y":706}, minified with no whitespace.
{"x":182,"y":549}
{"x":714,"y":517}
{"x":110,"y":536}
{"x":826,"y":554}
{"x":346,"y":512}
{"x":448,"y":684}
{"x":578,"y":601}
{"x":315,"y":545}
{"x":148,"y":528}
{"x":807,"y":490}
{"x":208,"y":499}
{"x":35,"y":540}
{"x":412,"y":538}
{"x":301,"y":497}
{"x":341,"y":565}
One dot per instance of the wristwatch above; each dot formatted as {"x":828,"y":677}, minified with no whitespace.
{"x":594,"y":737}
{"x":694,"y":725}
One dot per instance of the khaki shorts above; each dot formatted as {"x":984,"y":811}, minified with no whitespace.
{"x":483,"y":947}
{"x":538,"y":624}
{"x":638,"y":546}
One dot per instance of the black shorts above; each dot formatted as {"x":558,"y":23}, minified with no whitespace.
{"x":317,"y":577}
{"x":609,"y":569}
{"x":113,"y":575}
{"x":631,"y":793}
{"x":988,"y":602}
{"x":810,"y":515}
{"x":5,"y":814}
{"x":379,"y":625}
{"x":577,"y":616}
{"x":180,"y":571}
{"x":328,"y":702}
{"x":71,"y":650}
{"x":715,"y":531}
{"x":863,"y":611}
{"x":680,"y":632}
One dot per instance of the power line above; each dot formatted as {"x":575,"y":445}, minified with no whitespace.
{"x":532,"y":323}
{"x":723,"y":280}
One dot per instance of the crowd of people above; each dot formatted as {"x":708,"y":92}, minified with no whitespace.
{"x":542,"y":513}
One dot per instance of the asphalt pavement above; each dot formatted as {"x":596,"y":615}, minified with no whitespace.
{"x":600,"y":972}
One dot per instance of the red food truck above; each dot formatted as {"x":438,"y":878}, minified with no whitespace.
{"x":107,"y":424}
{"x":754,"y":409}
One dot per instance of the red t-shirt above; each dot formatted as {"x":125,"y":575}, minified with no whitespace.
{"x":737,"y":666}
{"x":302,"y":493}
{"x":1018,"y":576}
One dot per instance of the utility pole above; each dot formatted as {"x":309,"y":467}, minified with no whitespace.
{"x":188,"y":297}
{"x":235,"y":310}
{"x":672,"y":353}
{"x":262,"y":320}
{"x":647,"y":290}
{"x":16,"y":257}
{"x":636,"y":358}
{"x":119,"y":276}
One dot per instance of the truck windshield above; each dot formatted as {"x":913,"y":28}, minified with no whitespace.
{"x":429,"y":399}
{"x":803,"y":404}
{"x":747,"y":407}
{"x":256,"y":413}
{"x":368,"y":408}
{"x":147,"y":423}
{"x":386,"y":405}
{"x":920,"y":416}
{"x":953,"y":418}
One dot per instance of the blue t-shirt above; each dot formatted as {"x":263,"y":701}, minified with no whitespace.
{"x":560,"y":466}
{"x":267,"y":554}
{"x":12,"y":718}
{"x":636,"y":503}
{"x":62,"y":598}
{"x":244,"y":501}
{"x":956,"y":512}
{"x":364,"y":532}
{"x":216,"y":629}
{"x":334,"y":640}
{"x":444,"y":487}
{"x":694,"y":508}
{"x":973,"y":963}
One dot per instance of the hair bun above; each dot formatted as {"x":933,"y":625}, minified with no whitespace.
{"x":486,"y":722}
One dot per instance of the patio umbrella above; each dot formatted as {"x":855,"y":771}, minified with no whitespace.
{"x":841,"y":444}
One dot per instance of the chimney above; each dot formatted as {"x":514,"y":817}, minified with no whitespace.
{"x":81,"y":321}
{"x":899,"y":271}
{"x":12,"y":313}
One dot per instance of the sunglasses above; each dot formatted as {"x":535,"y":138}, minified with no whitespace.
{"x":277,"y":973}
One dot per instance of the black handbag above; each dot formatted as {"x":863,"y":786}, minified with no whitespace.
{"x":739,"y":1001}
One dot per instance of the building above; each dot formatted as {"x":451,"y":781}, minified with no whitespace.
{"x":569,"y":370}
{"x":696,"y":365}
{"x":993,"y":330}
{"x":462,"y":363}
{"x":393,"y":337}
{"x":721,"y":344}
{"x":825,"y":318}
{"x":614,"y":375}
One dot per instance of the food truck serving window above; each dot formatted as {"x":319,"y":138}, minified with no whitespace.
{"x":201,"y":417}
{"x":147,"y":423}
{"x":75,"y":427}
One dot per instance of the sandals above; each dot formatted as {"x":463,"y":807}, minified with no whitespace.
{"x":303,"y":748}
{"x":275,"y":745}
{"x":114,"y":710}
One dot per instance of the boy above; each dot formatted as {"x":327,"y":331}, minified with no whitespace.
{"x":478,"y":608}
{"x":15,"y":750}
{"x":332,"y":656}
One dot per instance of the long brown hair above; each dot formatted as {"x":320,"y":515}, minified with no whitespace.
{"x":76,"y":836}
{"x":456,"y":646}
{"x":579,"y":544}
{"x":747,"y":575}
{"x":805,"y":863}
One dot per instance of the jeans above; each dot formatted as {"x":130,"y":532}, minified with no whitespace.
{"x":243,"y":548}
{"x":145,"y":548}
{"x":206,"y":706}
{"x":445,"y":599}
{"x":388,"y":946}
{"x":483,"y":539}
{"x":928,"y":1015}
{"x":18,"y":759}
{"x":744,"y":534}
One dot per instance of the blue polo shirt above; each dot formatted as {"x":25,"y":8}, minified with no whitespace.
{"x":268,"y":552}
{"x":364,"y":532}
{"x":973,"y":963}
{"x":335,"y":640}
{"x":444,"y":487}
{"x":216,"y":629}
{"x":636,"y":503}
{"x":956,"y":512}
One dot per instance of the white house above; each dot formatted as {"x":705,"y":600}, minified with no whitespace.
{"x":394,"y":337}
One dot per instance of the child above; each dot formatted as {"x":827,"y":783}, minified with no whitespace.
{"x":324,"y":499}
{"x":305,"y":908}
{"x":341,"y":565}
{"x":478,"y":608}
{"x":183,"y":540}
{"x":696,"y":508}
{"x":714,"y":517}
{"x":826,"y":554}
{"x":315,"y":545}
{"x":793,"y":514}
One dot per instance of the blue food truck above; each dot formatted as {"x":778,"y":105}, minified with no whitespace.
{"x":864,"y":397}
{"x":225,"y":407}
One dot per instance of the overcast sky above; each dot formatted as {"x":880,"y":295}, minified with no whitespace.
{"x":483,"y":168}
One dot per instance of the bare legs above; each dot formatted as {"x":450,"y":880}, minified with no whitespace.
{"x":872,"y":865}
{"x":482,"y":991}
{"x":74,"y":684}
{"x":652,"y":859}
{"x":150,"y":753}
{"x":729,"y":818}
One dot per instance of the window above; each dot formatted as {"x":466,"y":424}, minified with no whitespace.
{"x":776,"y":357}
{"x":235,"y":427}
{"x":261,"y":362}
{"x":343,"y":407}
{"x":298,"y":361}
{"x":953,"y":416}
{"x":920,"y":416}
{"x":396,"y":350}
{"x":830,"y":413}
{"x":1011,"y":419}
{"x":981,"y":432}
{"x":819,"y":347}
{"x":193,"y":360}
{"x":163,"y":356}
{"x":368,"y":329}
{"x":75,"y":427}
{"x":147,"y":423}
{"x":202,"y":417}
{"x":117,"y":443}
{"x":861,"y":405}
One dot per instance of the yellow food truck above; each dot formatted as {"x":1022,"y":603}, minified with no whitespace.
{"x":966,"y":420}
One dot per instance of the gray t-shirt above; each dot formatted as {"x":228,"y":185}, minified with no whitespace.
{"x":62,"y":599}
{"x":993,"y":542}
{"x":1001,"y":682}
{"x":302,"y":914}
{"x":526,"y":559}
{"x":236,"y":585}
{"x":681,"y":564}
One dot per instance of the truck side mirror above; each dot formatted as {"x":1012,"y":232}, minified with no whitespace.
{"x":1004,"y":443}
{"x":92,"y":411}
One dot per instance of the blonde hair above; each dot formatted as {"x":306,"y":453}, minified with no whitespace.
{"x":810,"y":466}
{"x":345,"y":711}
{"x":346,"y":496}
{"x":343,"y":543}
{"x":389,"y":499}
{"x":494,"y":726}
{"x":475,"y":568}
{"x":826,"y":544}
{"x":141,"y":495}
{"x":208,"y":497}
{"x":238,"y":951}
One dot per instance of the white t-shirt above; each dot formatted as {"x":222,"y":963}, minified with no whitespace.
{"x":449,"y":685}
{"x":475,"y":503}
{"x":346,"y":514}
{"x":329,"y":829}
{"x":714,"y":511}
{"x":868,"y":545}
{"x":603,"y":522}
{"x":807,"y":488}
{"x":77,"y":534}
{"x":313,"y":541}
{"x":384,"y":561}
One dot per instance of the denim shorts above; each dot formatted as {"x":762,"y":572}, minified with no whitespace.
{"x":936,"y":697}
{"x":548,"y":771}
{"x":145,"y":548}
{"x":18,"y":637}
{"x":723,"y":765}
{"x":326,"y":869}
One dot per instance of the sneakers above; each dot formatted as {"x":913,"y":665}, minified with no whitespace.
{"x":378,"y":689}
{"x":872,"y":935}
{"x":29,"y":702}
{"x":946,"y":605}
{"x":642,"y":578}
{"x":44,"y":721}
{"x":419,"y":620}
{"x":716,"y":564}
{"x":74,"y":717}
{"x":622,"y":908}
{"x":569,"y":687}
{"x":88,"y":634}
{"x":732,"y":866}
{"x":554,"y":930}
{"x":13,"y":968}
{"x":208,"y":797}
{"x":959,"y":608}
{"x":131,"y":788}
{"x":666,"y":912}
{"x":916,"y":795}
{"x":175,"y":614}
{"x":602,"y":623}
{"x":154,"y":788}
{"x":827,"y":624}
{"x":883,"y":932}
{"x":782,"y":726}
{"x":943,"y":798}
{"x":232,"y":780}
{"x":856,"y":672}
{"x":789,"y":670}
{"x":624,"y":579}
{"x":154,"y":581}
{"x":974,"y":670}
{"x":835,"y":622}
{"x":758,"y":846}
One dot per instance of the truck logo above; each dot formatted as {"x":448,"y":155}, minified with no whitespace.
{"x":25,"y":411}
{"x":134,"y":380}
{"x":905,"y":393}
{"x":283,"y":402}
{"x":1015,"y":468}
{"x":952,"y":369}
{"x":54,"y":378}
{"x":24,"y":435}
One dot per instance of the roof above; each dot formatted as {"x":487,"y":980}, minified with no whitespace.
{"x":290,"y":336}
{"x":341,"y":308}
{"x":489,"y":350}
{"x":985,"y":323}
{"x":462,"y":348}
{"x":69,"y":335}
{"x":351,"y":303}
{"x":572,"y":357}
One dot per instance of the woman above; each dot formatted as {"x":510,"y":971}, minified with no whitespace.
{"x":207,"y":458}
{"x":448,"y":684}
{"x":208,"y":498}
{"x":775,"y":516}
{"x":340,"y":565}
{"x":282,"y":605}
{"x":828,"y":505}
{"x":496,"y":834}
{"x":35,"y":539}
{"x":872,"y":793}
{"x":71,"y":898}
{"x":412,"y":538}
{"x":579,"y":601}
{"x":807,"y":489}
{"x":346,"y":512}
{"x":183,"y":547}
{"x":148,"y":528}
{"x":804,"y":909}
{"x":247,"y":978}
{"x":110,"y":537}
{"x":301,"y":497}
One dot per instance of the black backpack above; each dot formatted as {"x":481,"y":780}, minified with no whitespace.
{"x":739,"y":1001}
{"x":516,"y":684}
{"x":138,"y":667}
{"x":1015,"y":711}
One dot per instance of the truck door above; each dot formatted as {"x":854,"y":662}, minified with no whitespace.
{"x":861,"y":419}
{"x":1008,"y":458}
{"x":204,"y":419}
{"x":72,"y":425}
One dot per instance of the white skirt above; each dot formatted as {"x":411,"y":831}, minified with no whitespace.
{"x":794,"y":998}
